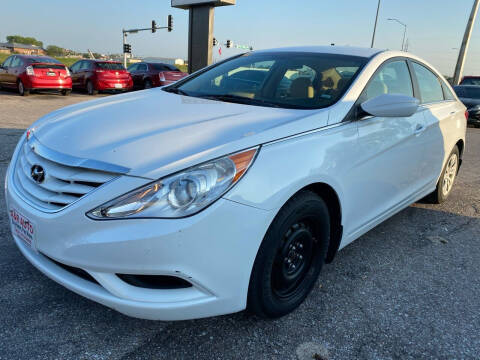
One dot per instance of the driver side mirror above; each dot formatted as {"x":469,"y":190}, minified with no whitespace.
{"x":391,"y":105}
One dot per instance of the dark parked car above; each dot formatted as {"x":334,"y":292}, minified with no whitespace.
{"x":470,"y":80}
{"x":100,"y":75}
{"x":27,"y":73}
{"x":470,"y":96}
{"x":146,"y":75}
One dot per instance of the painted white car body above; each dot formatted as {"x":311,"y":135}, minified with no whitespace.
{"x":375,"y":166}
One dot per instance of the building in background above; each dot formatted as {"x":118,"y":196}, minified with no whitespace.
{"x":170,"y":61}
{"x":23,"y":49}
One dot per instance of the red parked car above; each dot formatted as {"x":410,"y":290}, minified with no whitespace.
{"x":100,"y":75}
{"x":146,"y":75}
{"x":27,"y":73}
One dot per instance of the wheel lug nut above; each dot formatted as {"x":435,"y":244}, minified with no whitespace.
{"x":301,"y":257}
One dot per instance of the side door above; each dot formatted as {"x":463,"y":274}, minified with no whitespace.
{"x":74,"y":69}
{"x":441,"y":111}
{"x":12,"y":72}
{"x":385,"y":174}
{"x":4,"y":71}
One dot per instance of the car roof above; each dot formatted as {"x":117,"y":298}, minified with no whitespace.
{"x":339,"y":50}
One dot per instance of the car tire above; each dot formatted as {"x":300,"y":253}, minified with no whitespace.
{"x":290,"y":257}
{"x":66,"y":92}
{"x":22,"y":91}
{"x":447,"y":179}
{"x":91,"y":88}
{"x":147,"y":84}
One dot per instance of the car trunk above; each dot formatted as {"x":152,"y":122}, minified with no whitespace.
{"x":49,"y":71}
{"x":173,"y":75}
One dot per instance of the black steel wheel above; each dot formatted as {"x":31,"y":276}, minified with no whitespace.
{"x":290,"y":257}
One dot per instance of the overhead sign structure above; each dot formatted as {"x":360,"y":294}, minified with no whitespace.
{"x":186,"y":4}
{"x":200,"y":32}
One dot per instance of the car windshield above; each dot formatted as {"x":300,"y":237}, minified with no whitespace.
{"x":110,"y":66}
{"x":43,"y":59}
{"x":468,"y":92}
{"x":471,"y":81}
{"x":164,"y":67}
{"x":297,"y":80}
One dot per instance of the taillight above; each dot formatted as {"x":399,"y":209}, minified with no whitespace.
{"x":29,"y":70}
{"x":466,"y":114}
{"x":161,"y":77}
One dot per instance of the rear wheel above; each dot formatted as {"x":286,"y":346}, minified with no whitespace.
{"x":21,"y":89}
{"x":91,"y":88}
{"x":447,"y":179}
{"x":290,"y":257}
{"x":147,"y":84}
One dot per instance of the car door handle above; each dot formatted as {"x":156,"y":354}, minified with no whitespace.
{"x":419,"y":129}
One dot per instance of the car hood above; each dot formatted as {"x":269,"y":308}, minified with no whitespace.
{"x":154,"y":133}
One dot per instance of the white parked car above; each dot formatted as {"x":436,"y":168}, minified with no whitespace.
{"x":231,"y":188}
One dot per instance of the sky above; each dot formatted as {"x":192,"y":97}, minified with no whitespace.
{"x":434,"y":27}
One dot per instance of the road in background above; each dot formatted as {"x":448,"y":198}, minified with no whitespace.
{"x":408,"y":289}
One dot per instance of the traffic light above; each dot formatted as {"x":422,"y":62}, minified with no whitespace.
{"x":127,"y":48}
{"x":154,"y":26}
{"x":229,"y":44}
{"x":170,"y":23}
{"x":215,"y":42}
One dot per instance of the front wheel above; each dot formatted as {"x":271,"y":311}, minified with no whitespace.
{"x":66,"y":92}
{"x":290,"y":257}
{"x":447,"y":179}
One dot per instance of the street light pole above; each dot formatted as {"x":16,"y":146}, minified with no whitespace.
{"x":404,"y":31}
{"x":466,"y":39}
{"x":375,"y":26}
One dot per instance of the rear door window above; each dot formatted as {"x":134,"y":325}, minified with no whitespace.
{"x":428,"y":83}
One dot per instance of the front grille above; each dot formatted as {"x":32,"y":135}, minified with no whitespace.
{"x":61,"y":185}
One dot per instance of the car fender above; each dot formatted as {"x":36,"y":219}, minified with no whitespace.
{"x":284,"y":167}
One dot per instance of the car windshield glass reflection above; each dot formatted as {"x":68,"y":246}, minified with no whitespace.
{"x":288,"y":80}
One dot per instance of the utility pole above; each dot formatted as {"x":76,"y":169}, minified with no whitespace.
{"x":124,"y":53}
{"x":466,"y":39}
{"x":375,"y":27}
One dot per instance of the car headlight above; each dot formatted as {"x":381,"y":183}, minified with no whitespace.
{"x":181,"y":194}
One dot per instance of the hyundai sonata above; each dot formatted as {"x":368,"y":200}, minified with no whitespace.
{"x":263,"y":167}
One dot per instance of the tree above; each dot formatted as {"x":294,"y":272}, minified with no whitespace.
{"x":24,"y":40}
{"x":54,"y":50}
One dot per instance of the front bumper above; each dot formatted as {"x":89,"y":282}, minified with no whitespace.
{"x":214,"y":250}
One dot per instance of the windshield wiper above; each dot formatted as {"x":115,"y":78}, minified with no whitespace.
{"x":238,"y":99}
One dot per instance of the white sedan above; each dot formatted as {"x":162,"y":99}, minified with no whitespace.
{"x":231,"y":188}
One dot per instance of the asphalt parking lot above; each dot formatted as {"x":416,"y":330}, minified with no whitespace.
{"x":409,"y":289}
